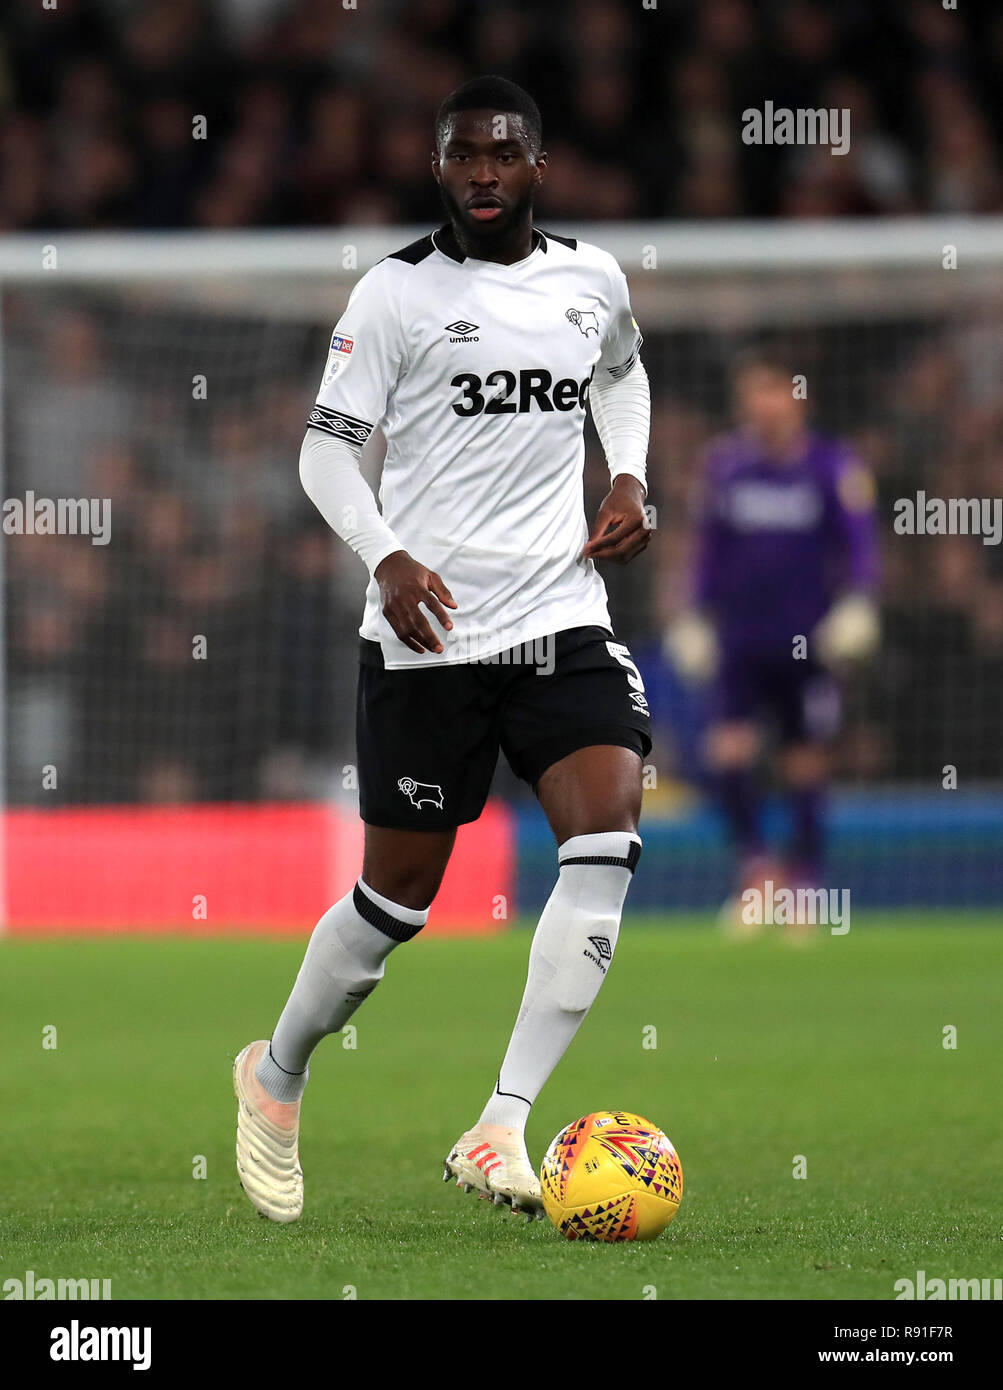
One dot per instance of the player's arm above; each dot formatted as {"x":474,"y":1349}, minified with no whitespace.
{"x":620,"y":398}
{"x":851,"y":629}
{"x":690,"y":639}
{"x":331,"y":476}
{"x":365,"y":360}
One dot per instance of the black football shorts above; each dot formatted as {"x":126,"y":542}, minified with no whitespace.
{"x":428,"y":737}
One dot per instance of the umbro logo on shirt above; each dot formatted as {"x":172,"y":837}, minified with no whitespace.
{"x":463,"y":331}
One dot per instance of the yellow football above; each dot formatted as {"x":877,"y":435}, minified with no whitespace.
{"x":611,"y":1176}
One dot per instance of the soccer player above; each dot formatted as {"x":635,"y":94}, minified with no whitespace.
{"x":478,"y":349}
{"x":783,"y":602}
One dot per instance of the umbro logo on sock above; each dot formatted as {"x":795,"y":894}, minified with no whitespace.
{"x":604,"y":952}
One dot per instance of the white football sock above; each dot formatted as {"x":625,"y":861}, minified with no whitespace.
{"x":344,"y":963}
{"x":572,"y":947}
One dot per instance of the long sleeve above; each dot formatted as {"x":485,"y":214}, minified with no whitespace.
{"x":621,"y":409}
{"x":365,"y":360}
{"x":619,"y":393}
{"x":332,"y":479}
{"x":709,"y":541}
{"x":855,"y":526}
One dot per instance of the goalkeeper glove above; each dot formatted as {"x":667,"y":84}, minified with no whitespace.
{"x":690,"y":644}
{"x":849,"y":632}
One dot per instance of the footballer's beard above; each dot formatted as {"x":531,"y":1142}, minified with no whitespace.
{"x":482,"y":239}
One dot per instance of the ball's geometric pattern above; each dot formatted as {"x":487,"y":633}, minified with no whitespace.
{"x":611,"y":1176}
{"x":616,"y":1220}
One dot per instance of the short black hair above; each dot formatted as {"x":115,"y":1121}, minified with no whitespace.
{"x":765,"y":356}
{"x":491,"y":94}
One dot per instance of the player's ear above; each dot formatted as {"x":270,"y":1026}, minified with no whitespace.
{"x":436,"y":166}
{"x":542,"y":165}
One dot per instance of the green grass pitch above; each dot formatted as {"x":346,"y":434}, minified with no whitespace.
{"x":765,"y":1051}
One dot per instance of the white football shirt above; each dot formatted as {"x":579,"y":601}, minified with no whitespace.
{"x":478,"y":374}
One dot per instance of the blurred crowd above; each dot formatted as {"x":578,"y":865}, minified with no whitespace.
{"x":208,"y":652}
{"x":316,"y":112}
{"x":213,"y":539}
{"x":204,"y":652}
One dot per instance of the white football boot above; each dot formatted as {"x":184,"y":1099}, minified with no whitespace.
{"x":492,"y":1161}
{"x":267,"y":1142}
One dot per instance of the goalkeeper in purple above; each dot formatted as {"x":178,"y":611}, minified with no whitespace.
{"x":783,"y":606}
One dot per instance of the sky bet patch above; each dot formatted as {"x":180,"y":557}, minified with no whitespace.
{"x":341,"y":351}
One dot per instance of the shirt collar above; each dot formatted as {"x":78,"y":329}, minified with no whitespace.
{"x":444,"y":240}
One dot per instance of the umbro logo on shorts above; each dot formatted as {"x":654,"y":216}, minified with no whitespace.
{"x":419,"y":792}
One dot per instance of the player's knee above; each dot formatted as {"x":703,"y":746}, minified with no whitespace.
{"x":732,"y":746}
{"x":611,"y":823}
{"x":407,"y":873}
{"x":410,"y":885}
{"x":404,"y":866}
{"x":616,"y":813}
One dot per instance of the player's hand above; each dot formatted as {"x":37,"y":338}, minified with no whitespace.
{"x":690,"y":643}
{"x":849,"y":632}
{"x":405,"y":586}
{"x":621,"y":530}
